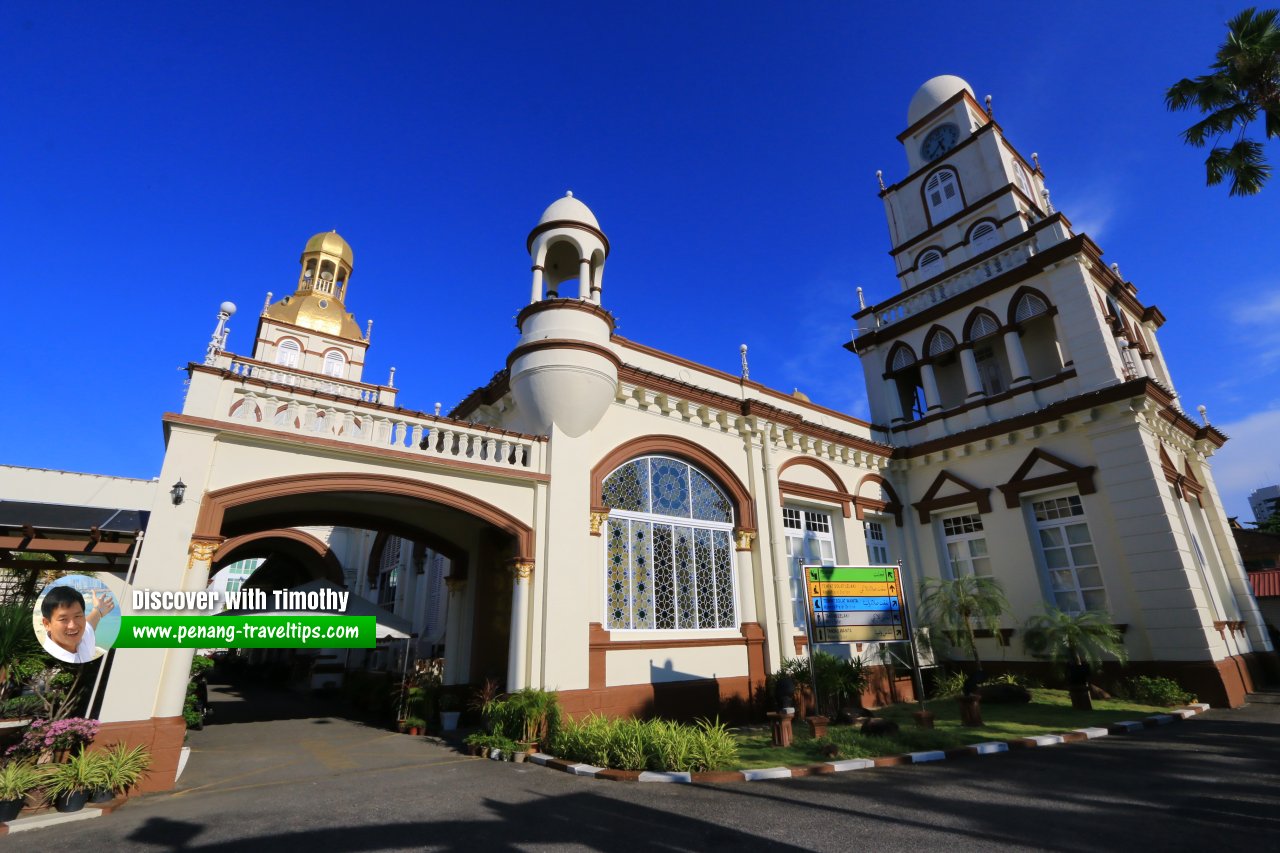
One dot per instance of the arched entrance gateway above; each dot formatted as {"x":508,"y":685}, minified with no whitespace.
{"x":627,"y":528}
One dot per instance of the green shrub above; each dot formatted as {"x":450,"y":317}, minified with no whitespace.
{"x":528,"y":715}
{"x":947,"y":684}
{"x":1155,"y":690}
{"x":659,"y":745}
{"x":17,"y":778}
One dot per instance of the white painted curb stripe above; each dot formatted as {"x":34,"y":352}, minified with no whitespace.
{"x":1093,"y":732}
{"x":1200,"y":706}
{"x":1046,"y":740}
{"x":928,"y":755}
{"x":766,"y":773}
{"x":851,"y":764}
{"x":52,"y":819}
{"x":540,"y":758}
{"x":1184,"y":713}
{"x":990,"y":748}
{"x":1129,"y":725}
{"x":584,"y":769}
{"x":672,"y":776}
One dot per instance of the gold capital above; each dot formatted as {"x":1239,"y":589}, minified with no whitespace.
{"x":522,"y":570}
{"x":743,"y":539}
{"x":200,"y":551}
{"x":597,"y":521}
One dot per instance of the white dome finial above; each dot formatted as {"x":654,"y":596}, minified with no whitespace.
{"x":933,"y":94}
{"x":568,"y":193}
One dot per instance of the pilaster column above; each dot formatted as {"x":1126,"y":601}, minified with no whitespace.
{"x":1060,"y":338}
{"x":177,"y":662}
{"x":932,"y":399}
{"x":454,"y":665}
{"x":1017,"y":358}
{"x":537,"y":284}
{"x":584,"y":279}
{"x":522,"y":579}
{"x":972,"y":381}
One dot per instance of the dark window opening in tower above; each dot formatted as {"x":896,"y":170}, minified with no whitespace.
{"x":911,"y":394}
{"x":992,"y":370}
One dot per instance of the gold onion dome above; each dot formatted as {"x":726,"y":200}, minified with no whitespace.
{"x":331,"y":243}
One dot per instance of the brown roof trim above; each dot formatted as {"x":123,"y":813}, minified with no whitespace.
{"x":360,"y":341}
{"x":1035,"y":265}
{"x":963,"y":94}
{"x":970,"y":210}
{"x":486,"y":395}
{"x":567,"y":302}
{"x":933,"y":164}
{"x":566,"y":223}
{"x":349,"y":447}
{"x":1111,"y":394}
{"x":892,"y":506}
{"x":1013,"y":490}
{"x":844,"y":499}
{"x":720,"y":374}
{"x":971,"y":495}
{"x":563,"y":344}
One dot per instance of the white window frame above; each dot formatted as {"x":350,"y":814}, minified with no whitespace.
{"x":946,"y":205}
{"x":1074,"y":519}
{"x":965,"y":530}
{"x":335,"y":364}
{"x":875,"y":533}
{"x":288,"y":352}
{"x":983,"y":236}
{"x":810,"y":541}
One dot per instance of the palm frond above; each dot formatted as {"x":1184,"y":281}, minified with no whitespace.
{"x":1219,"y":123}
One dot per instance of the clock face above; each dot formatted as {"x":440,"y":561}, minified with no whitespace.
{"x":939,"y":141}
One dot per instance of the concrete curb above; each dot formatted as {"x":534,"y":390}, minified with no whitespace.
{"x":54,"y":818}
{"x":995,"y":747}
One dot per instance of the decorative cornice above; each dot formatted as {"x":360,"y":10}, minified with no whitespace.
{"x":566,"y":223}
{"x":563,"y":344}
{"x":559,"y":304}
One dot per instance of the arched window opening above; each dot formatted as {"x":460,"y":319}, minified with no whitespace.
{"x":335,"y":364}
{"x":929,"y":258}
{"x":906,"y":383}
{"x":941,"y":343}
{"x":1040,"y":343}
{"x":669,"y":561}
{"x":325,"y":285}
{"x":1029,"y":306}
{"x":988,"y":352}
{"x":941,"y":348}
{"x":1020,"y":175}
{"x":983,"y":237}
{"x":288,"y":351}
{"x":942,"y":195}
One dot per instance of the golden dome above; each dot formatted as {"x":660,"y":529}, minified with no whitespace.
{"x":316,"y":311}
{"x":801,"y":396}
{"x":330,"y":243}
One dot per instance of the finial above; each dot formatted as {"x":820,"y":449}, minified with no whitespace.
{"x":368,"y":331}
{"x":437,"y":410}
{"x":218,"y":342}
{"x":391,"y":380}
{"x":568,"y":193}
{"x":267,"y":303}
{"x":1204,"y":414}
{"x":880,"y":178}
{"x":988,"y":100}
{"x":1115,"y":268}
{"x":746,"y":372}
{"x":862,"y":301}
{"x":1048,"y":205}
{"x":1035,"y":158}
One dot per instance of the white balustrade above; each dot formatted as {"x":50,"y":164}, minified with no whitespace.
{"x":966,"y":279}
{"x":281,"y":375}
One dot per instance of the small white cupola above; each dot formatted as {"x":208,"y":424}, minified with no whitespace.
{"x":567,"y":243}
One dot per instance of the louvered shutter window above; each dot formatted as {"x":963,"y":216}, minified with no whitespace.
{"x":903,"y":358}
{"x":983,"y":326}
{"x":943,"y":194}
{"x":941,"y":343}
{"x":928,"y":258}
{"x":1029,"y":306}
{"x":983,"y":237}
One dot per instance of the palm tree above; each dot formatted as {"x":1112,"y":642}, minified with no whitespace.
{"x":952,"y":606}
{"x":1245,"y":82}
{"x":1079,"y":640}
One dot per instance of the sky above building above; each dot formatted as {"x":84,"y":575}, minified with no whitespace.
{"x":160,"y":158}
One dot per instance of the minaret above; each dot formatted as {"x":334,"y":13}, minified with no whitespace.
{"x":563,"y":372}
{"x":312,"y":330}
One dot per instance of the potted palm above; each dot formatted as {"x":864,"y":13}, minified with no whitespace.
{"x":17,"y":779}
{"x":70,"y":782}
{"x":415,"y":725}
{"x":953,"y":607}
{"x":1077,"y":640}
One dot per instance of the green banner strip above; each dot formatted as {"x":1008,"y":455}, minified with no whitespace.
{"x":842,"y":574}
{"x":247,"y":632}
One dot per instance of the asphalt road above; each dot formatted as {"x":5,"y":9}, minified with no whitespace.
{"x":331,"y":784}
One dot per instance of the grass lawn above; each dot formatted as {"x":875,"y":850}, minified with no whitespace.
{"x":1049,"y":712}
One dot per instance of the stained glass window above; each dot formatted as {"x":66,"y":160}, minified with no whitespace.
{"x":669,"y":549}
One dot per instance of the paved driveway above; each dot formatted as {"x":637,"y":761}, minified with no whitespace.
{"x":331,"y":784}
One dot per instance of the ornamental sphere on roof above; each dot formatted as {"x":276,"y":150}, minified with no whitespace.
{"x":568,"y":209}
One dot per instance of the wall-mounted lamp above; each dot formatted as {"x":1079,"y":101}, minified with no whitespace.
{"x":178,"y":492}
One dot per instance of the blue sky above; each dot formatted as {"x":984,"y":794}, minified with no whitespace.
{"x":160,"y":158}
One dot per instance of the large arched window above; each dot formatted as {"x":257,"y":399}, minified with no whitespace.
{"x":669,"y":543}
{"x":335,"y":364}
{"x":287,"y":352}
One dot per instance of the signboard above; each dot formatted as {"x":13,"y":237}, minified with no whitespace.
{"x":849,"y":604}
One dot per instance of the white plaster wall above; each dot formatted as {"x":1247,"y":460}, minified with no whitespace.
{"x":43,"y":485}
{"x":661,"y":666}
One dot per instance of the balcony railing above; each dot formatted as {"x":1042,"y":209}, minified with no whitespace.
{"x":280,"y":375}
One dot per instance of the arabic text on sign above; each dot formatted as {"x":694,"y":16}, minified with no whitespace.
{"x":840,"y":603}
{"x":858,"y":633}
{"x":826,"y":589}
{"x":829,"y":574}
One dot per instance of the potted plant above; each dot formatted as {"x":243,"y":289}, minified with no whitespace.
{"x":44,"y":740}
{"x":449,"y":712}
{"x":479,"y":743}
{"x":70,"y":782}
{"x":1078,"y":640}
{"x":952,"y":606}
{"x":415,"y":725}
{"x":17,"y":778}
{"x":123,"y":767}
{"x":483,"y":697}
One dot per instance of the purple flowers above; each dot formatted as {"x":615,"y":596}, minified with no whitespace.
{"x":45,"y":736}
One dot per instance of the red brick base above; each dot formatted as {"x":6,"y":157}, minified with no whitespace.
{"x":163,"y":736}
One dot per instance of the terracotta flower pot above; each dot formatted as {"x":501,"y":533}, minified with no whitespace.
{"x":970,"y":710}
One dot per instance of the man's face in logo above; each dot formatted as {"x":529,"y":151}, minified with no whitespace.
{"x":66,"y":626}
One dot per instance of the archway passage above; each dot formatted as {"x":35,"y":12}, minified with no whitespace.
{"x":475,"y":541}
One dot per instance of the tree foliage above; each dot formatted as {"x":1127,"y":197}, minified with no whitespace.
{"x":1073,"y":638}
{"x":1243,"y":85}
{"x":956,"y":606}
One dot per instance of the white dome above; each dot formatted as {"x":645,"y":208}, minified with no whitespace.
{"x":571,"y":209}
{"x":933,"y":94}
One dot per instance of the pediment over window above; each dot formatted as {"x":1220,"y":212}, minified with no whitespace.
{"x":875,"y":494}
{"x":1042,"y":470}
{"x":949,"y":491}
{"x":813,"y":479}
